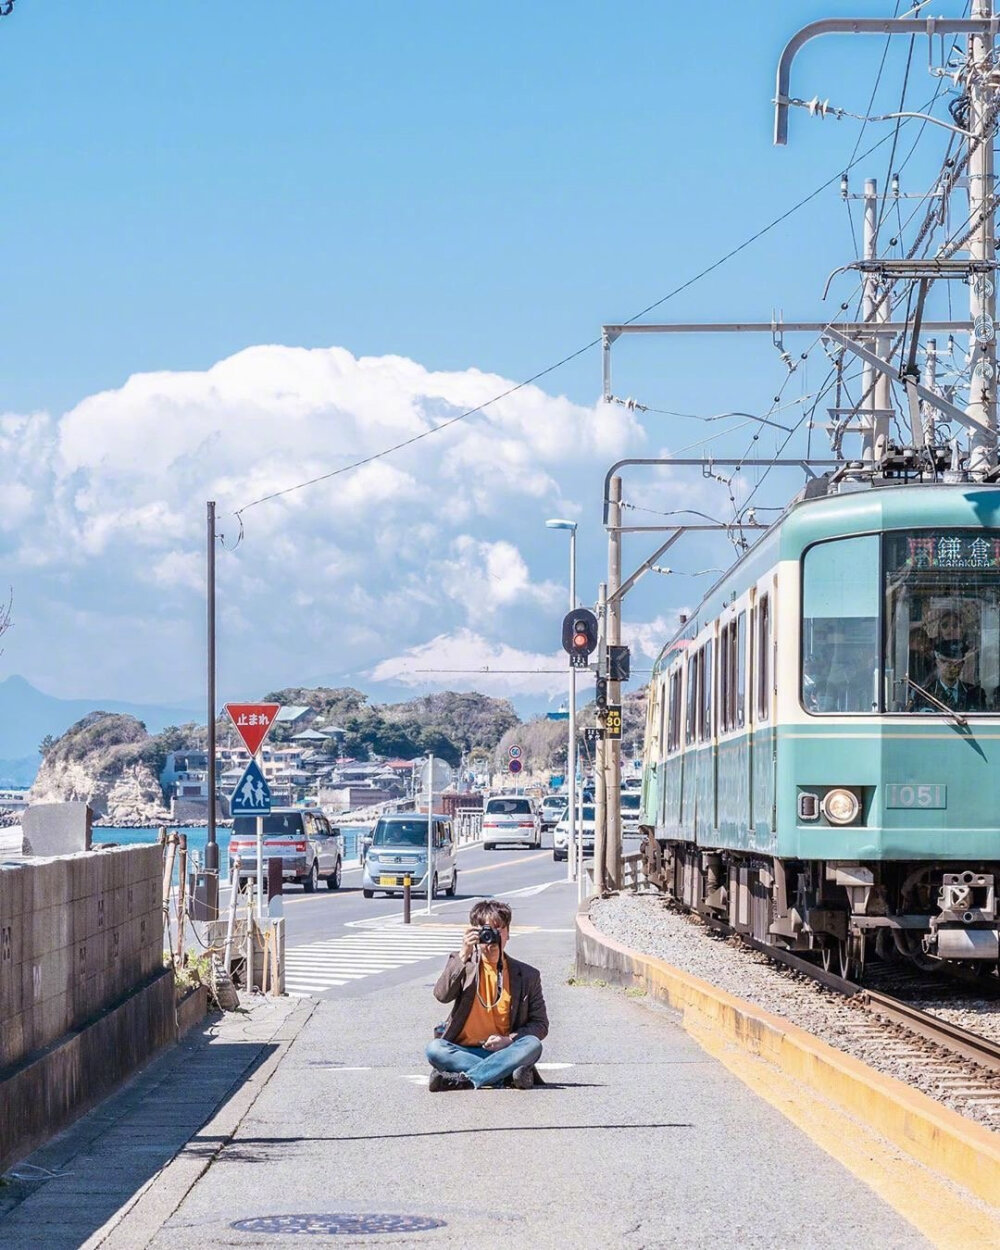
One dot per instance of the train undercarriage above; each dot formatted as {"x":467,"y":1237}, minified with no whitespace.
{"x":935,"y":915}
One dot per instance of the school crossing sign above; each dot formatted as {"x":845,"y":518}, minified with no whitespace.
{"x":252,"y":796}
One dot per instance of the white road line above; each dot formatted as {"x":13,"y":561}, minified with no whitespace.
{"x":316,"y":967}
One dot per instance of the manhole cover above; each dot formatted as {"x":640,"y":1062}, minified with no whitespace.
{"x":327,"y":1225}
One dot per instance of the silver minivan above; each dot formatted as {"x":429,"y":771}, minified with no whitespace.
{"x":399,"y":850}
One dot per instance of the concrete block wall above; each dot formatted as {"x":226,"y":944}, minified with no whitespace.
{"x":78,"y":934}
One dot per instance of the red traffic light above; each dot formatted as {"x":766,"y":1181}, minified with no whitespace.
{"x":579,"y":632}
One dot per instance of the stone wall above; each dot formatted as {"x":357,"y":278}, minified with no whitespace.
{"x":84,"y":996}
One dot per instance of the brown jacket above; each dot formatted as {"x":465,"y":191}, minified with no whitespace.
{"x":457,"y":984}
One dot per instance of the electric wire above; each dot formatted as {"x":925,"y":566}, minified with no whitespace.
{"x":511,"y":390}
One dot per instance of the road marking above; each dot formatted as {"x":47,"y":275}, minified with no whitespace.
{"x":320,"y":966}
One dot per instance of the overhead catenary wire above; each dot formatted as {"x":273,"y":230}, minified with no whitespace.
{"x":564,"y":360}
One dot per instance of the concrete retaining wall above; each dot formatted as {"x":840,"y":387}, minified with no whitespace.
{"x":84,"y":997}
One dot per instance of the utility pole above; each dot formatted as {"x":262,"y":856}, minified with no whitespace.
{"x":211,"y":845}
{"x":982,"y":246}
{"x":600,"y":757}
{"x":613,"y":747}
{"x":876,"y":427}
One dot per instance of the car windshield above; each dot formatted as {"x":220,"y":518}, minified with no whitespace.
{"x":553,"y":802}
{"x":401,"y":833}
{"x":631,"y":801}
{"x":509,"y":807}
{"x":276,"y":825}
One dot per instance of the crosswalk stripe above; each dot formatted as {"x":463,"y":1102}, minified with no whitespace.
{"x":330,"y":963}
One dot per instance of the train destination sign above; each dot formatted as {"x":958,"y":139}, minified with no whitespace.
{"x":952,"y":550}
{"x":253,"y":722}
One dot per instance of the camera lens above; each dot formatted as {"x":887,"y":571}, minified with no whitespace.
{"x":488,"y":936}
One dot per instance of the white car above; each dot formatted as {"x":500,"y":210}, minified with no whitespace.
{"x":511,"y":818}
{"x":585,"y":828}
{"x":631,"y":804}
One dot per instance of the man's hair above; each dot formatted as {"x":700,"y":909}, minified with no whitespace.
{"x":490,"y":911}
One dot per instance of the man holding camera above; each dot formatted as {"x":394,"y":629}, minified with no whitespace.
{"x":498,"y":1020}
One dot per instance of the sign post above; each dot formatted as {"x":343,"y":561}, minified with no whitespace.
{"x":252,"y":796}
{"x":430,"y":832}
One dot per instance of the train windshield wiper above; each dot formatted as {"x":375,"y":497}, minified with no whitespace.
{"x":940,"y":704}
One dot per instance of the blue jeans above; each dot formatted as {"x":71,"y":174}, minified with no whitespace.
{"x":482,"y":1066}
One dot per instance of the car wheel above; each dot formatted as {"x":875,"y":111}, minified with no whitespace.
{"x":312,"y":880}
{"x":557,"y":856}
{"x":333,"y":880}
{"x":434,"y":887}
{"x":368,"y":893}
{"x":454,"y":884}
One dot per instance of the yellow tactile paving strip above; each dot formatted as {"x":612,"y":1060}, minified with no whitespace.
{"x":908,"y":1148}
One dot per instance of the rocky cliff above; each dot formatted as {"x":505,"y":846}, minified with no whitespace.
{"x":109,"y":761}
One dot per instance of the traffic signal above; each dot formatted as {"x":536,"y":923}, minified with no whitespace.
{"x":601,"y":694}
{"x":619,"y":663}
{"x":579,"y":636}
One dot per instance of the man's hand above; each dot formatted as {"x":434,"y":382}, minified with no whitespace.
{"x":470,"y":939}
{"x":497,"y":1041}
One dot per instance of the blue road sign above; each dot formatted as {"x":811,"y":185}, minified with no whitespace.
{"x":252,"y":796}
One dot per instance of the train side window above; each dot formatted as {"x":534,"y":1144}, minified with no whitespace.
{"x":740,"y":683}
{"x":691,"y":719}
{"x":674,"y":730}
{"x":705,"y":719}
{"x":763,"y":657}
{"x":724,"y":679}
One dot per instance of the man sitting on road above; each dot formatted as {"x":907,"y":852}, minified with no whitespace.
{"x":498,"y":1020}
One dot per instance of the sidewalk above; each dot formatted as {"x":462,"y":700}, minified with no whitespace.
{"x":108,"y":1165}
{"x":638,"y":1140}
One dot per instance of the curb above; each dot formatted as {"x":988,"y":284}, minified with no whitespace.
{"x":939,"y":1138}
{"x":135,"y":1225}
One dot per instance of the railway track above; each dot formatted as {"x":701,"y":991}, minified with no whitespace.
{"x":923,"y":1025}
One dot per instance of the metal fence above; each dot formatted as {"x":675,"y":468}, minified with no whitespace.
{"x":467,"y":825}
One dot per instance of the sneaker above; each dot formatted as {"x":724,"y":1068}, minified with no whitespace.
{"x":523,"y":1078}
{"x":442,"y":1081}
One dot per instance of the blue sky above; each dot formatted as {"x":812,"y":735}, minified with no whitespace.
{"x":457,"y":194}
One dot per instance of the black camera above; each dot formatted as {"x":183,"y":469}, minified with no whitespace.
{"x":488,"y":936}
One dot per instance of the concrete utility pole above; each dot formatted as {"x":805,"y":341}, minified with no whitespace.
{"x":600,"y":757}
{"x":211,"y":845}
{"x":613,"y":635}
{"x":875,"y":385}
{"x":982,"y":246}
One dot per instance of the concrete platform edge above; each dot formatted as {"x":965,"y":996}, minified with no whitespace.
{"x":966,"y":1153}
{"x":135,"y":1224}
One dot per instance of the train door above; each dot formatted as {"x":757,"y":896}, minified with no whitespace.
{"x":763,"y":759}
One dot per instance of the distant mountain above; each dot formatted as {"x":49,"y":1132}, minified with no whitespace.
{"x":27,"y":716}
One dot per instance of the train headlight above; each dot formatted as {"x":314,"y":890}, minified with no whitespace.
{"x":841,"y":806}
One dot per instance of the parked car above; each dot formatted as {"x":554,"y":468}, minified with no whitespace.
{"x":511,"y":818}
{"x":630,"y":802}
{"x":399,"y":850}
{"x":553,"y":806}
{"x":309,"y":847}
{"x":585,"y":829}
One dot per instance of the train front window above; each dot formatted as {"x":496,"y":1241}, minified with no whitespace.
{"x":942,"y":614}
{"x":840,"y":612}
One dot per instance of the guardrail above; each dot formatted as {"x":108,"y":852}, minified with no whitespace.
{"x":467,"y":825}
{"x":634,"y":872}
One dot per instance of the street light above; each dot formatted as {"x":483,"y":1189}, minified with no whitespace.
{"x":574,"y":855}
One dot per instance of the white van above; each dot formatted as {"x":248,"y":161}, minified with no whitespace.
{"x":512,"y":819}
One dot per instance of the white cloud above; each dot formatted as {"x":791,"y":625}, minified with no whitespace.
{"x":467,"y":661}
{"x":443,"y":540}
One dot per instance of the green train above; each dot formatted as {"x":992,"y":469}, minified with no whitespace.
{"x":822,"y":748}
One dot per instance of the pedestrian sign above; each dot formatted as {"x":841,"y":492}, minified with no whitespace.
{"x":252,"y":796}
{"x":253,"y":721}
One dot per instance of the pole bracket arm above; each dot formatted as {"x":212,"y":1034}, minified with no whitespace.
{"x":863,"y":26}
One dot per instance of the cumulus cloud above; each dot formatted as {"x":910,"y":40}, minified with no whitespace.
{"x":443,"y":539}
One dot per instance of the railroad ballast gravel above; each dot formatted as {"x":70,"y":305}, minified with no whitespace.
{"x":649,"y":924}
